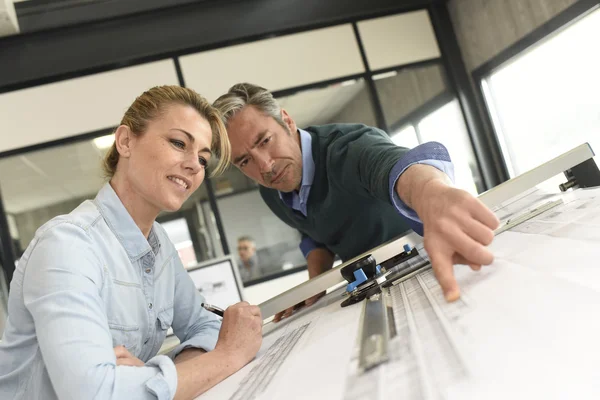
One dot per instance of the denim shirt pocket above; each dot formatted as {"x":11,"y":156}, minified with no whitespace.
{"x":126,"y":335}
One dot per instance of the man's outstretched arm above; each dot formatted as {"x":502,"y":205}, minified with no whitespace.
{"x":457,"y":226}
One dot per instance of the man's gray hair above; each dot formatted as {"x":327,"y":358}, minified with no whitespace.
{"x":247,"y":94}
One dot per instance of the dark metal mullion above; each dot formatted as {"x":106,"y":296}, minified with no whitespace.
{"x":411,"y":65}
{"x":212,"y":198}
{"x":316,"y":85}
{"x":486,"y":147}
{"x":375,"y":101}
{"x":8,"y":252}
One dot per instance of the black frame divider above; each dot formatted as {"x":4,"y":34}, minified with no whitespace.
{"x":8,"y":252}
{"x":486,"y":148}
{"x":373,"y":95}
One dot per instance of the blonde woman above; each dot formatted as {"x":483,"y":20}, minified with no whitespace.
{"x":95,"y":292}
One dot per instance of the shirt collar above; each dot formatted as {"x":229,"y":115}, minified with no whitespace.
{"x":308,"y":164}
{"x":121,"y":223}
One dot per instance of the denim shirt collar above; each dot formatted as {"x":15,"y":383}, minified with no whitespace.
{"x":123,"y":226}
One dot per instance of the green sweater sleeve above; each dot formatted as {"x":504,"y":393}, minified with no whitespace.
{"x":361,"y":161}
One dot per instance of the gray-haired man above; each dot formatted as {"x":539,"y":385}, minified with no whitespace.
{"x":348,"y":188}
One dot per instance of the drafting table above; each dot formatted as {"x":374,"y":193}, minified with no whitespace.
{"x":525,"y":327}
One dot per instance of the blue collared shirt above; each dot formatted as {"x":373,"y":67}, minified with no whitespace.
{"x":431,"y":153}
{"x":297,"y":200}
{"x":90,"y":281}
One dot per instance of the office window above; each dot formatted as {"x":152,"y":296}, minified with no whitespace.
{"x":39,"y":185}
{"x":318,"y":55}
{"x":344,"y":102}
{"x":545,"y":100}
{"x":445,"y":124}
{"x":179,"y":233}
{"x":398,"y":39}
{"x":272,"y":246}
{"x":406,"y":137}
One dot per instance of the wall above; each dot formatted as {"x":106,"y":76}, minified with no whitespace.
{"x":486,"y":27}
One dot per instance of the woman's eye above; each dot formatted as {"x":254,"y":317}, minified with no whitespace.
{"x":178,"y":143}
{"x":202,"y":162}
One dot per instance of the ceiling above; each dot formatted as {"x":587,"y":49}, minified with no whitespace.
{"x":41,"y":178}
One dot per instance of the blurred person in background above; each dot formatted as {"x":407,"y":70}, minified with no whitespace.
{"x":248,"y":260}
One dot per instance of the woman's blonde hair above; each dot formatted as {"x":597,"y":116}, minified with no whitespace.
{"x":153,"y":102}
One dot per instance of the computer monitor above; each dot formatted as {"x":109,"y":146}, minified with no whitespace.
{"x":218,"y":281}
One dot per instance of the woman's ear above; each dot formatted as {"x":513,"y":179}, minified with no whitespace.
{"x":123,"y":140}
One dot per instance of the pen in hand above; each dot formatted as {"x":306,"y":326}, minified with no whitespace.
{"x":213,"y":309}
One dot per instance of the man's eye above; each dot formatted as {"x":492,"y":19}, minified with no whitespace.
{"x":178,"y":143}
{"x":243,"y":163}
{"x":267,"y":140}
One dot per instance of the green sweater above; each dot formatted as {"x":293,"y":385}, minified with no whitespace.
{"x":349,"y":206}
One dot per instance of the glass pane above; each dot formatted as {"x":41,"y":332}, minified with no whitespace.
{"x":398,"y":39}
{"x":40,"y":185}
{"x":179,"y":233}
{"x":345,"y":102}
{"x":405,"y":137}
{"x":269,"y":246}
{"x":546,"y":101}
{"x":407,"y":94}
{"x":264,"y":61}
{"x":447,"y":126}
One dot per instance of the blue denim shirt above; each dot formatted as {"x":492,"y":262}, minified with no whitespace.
{"x":90,"y":281}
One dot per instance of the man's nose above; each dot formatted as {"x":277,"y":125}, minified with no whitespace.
{"x":265,"y":163}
